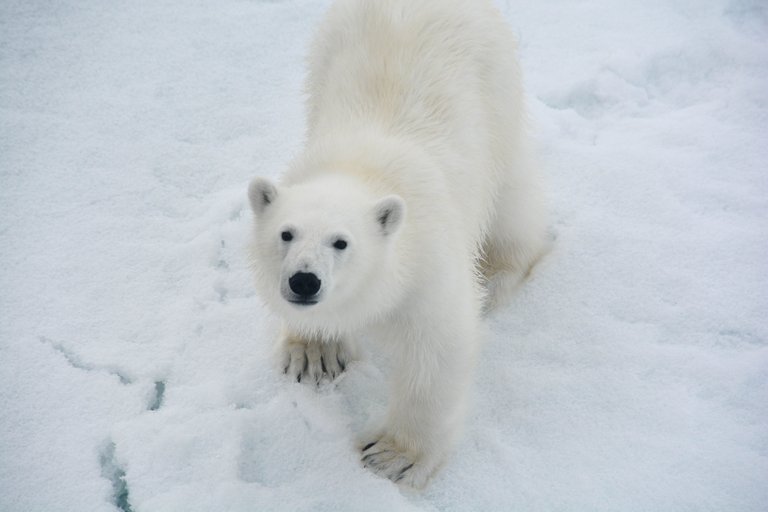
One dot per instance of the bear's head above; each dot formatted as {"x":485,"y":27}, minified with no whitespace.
{"x":321,"y":246}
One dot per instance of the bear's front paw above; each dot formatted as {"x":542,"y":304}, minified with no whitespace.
{"x":384,"y":459}
{"x":311,"y":361}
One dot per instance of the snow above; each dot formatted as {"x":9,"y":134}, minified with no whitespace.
{"x":631,"y":372}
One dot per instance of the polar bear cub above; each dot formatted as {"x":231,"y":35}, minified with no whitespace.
{"x":413,"y":207}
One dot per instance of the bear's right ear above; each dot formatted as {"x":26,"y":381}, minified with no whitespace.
{"x":390,"y":212}
{"x":261,"y":193}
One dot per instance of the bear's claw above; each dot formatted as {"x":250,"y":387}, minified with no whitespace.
{"x":385,"y":460}
{"x":312,"y":361}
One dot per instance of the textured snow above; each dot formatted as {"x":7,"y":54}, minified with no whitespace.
{"x":631,"y":372}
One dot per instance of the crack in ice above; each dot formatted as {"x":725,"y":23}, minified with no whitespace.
{"x":76,"y":361}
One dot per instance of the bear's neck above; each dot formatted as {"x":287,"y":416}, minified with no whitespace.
{"x":382,"y":163}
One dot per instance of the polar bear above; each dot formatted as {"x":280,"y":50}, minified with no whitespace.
{"x":413,"y":207}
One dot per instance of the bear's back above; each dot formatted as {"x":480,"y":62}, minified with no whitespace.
{"x":440,"y":74}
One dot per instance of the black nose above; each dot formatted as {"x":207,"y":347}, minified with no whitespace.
{"x":304,"y":284}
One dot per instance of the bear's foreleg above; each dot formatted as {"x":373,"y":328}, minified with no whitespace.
{"x":434,"y":361}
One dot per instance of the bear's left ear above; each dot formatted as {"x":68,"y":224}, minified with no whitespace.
{"x":389,"y":213}
{"x":261,"y":193}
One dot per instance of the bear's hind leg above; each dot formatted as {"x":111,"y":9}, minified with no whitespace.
{"x":517,"y":238}
{"x":311,"y":359}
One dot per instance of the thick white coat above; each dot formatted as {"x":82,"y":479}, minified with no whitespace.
{"x":416,"y":157}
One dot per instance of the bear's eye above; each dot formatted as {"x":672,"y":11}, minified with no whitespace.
{"x":340,"y":245}
{"x":287,"y":236}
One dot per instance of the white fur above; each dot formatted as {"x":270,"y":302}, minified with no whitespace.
{"x":416,"y":157}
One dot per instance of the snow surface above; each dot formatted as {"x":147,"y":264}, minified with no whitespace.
{"x":631,"y":373}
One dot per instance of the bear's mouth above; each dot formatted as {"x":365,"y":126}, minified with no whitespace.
{"x":303,"y":302}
